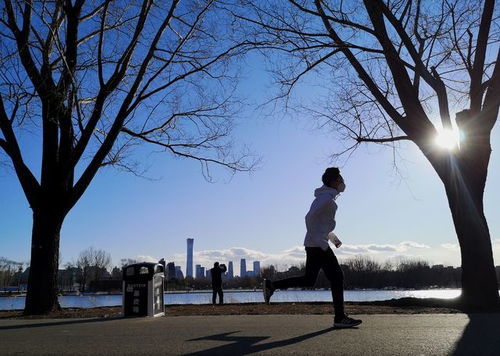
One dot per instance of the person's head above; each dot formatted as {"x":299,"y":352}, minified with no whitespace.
{"x":216,"y":264}
{"x":332,"y":178}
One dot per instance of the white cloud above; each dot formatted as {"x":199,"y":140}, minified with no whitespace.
{"x":352,"y":250}
{"x":383,"y":249}
{"x":412,"y":244}
{"x":452,"y":247}
{"x":377,"y":248}
{"x":145,"y":258}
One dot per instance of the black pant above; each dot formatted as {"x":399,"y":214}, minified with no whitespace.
{"x":326,"y":260}
{"x":217,"y":290}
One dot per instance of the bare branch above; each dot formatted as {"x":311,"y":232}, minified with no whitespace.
{"x":383,"y":140}
{"x":94,"y":12}
{"x":102,"y":59}
{"x":419,"y":65}
{"x":492,"y":97}
{"x":456,"y":41}
{"x":418,"y":126}
{"x":476,"y":95}
{"x":110,"y":85}
{"x":281,"y":29}
{"x":186,"y":74}
{"x":42,"y":84}
{"x":235,"y":165}
{"x":309,"y":68}
{"x":153,"y":46}
{"x":391,"y":111}
{"x":99,"y":48}
{"x":342,"y":21}
{"x":11,"y":146}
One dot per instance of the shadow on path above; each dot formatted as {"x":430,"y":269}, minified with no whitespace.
{"x":481,"y":336}
{"x":56,"y":323}
{"x":242,"y":345}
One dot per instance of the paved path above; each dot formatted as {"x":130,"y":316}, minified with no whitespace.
{"x":424,"y":334}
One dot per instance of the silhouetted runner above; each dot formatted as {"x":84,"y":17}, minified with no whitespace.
{"x":216,"y":274}
{"x":320,"y":223}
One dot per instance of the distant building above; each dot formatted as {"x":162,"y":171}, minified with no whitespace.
{"x":178,"y":273}
{"x":208,"y":273}
{"x":189,"y":259}
{"x":256,"y":268}
{"x":197,"y":271}
{"x":230,"y":273}
{"x":66,"y":278}
{"x":243,"y":268}
{"x":170,"y":272}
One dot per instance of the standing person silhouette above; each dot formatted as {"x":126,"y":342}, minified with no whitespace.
{"x":320,"y":223}
{"x":216,"y":274}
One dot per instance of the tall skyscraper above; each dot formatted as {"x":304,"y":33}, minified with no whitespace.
{"x":189,"y":260}
{"x":230,"y":272}
{"x":256,"y":268}
{"x":243,"y":267}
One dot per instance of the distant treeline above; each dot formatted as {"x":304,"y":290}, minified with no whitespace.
{"x":359,"y":273}
{"x":363,"y":272}
{"x":87,"y":273}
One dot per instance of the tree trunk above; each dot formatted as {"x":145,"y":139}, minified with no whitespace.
{"x":42,"y":292}
{"x":83,"y":284}
{"x":465,"y":198}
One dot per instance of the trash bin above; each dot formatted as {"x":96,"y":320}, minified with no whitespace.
{"x":143,"y":289}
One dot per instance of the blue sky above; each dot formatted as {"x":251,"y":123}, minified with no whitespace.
{"x":385,"y":213}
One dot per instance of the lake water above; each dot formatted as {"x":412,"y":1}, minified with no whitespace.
{"x":205,"y":297}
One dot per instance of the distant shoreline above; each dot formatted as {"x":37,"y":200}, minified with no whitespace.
{"x":23,"y":294}
{"x":394,"y":306}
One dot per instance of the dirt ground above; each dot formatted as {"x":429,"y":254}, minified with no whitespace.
{"x":399,"y":306}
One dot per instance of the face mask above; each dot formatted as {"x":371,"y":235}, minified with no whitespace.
{"x":341,"y":187}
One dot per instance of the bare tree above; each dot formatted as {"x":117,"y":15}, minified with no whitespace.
{"x":398,"y":71}
{"x":83,"y":263}
{"x":88,"y":81}
{"x":92,"y":263}
{"x":116,"y":273}
{"x":101,"y":263}
{"x":8,"y":269}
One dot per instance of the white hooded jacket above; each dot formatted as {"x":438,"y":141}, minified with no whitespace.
{"x":320,"y":220}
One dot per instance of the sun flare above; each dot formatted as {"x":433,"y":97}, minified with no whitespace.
{"x":448,"y":139}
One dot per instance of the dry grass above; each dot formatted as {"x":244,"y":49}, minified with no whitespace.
{"x":352,"y":308}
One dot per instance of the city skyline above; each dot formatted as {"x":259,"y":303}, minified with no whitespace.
{"x":200,"y":268}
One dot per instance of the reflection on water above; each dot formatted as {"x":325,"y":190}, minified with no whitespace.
{"x":205,"y":297}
